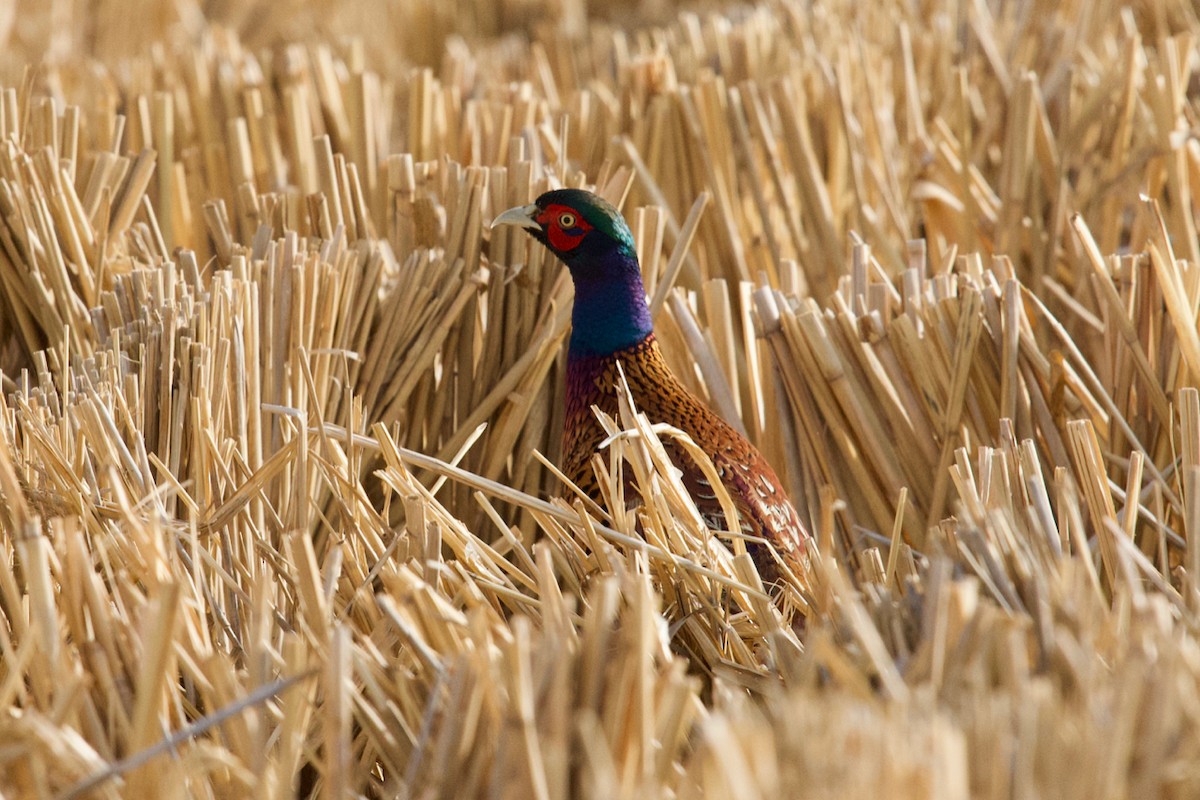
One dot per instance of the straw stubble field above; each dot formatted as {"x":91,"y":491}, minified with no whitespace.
{"x":279,"y":419}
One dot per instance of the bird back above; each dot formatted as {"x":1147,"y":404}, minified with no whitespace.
{"x":753,"y":485}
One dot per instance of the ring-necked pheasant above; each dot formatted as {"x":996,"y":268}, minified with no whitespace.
{"x":611,"y":323}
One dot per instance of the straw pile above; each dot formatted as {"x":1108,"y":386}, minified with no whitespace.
{"x":279,"y":413}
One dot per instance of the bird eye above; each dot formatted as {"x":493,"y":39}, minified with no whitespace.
{"x":567,"y":220}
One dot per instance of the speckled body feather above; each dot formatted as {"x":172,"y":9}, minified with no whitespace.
{"x":761,"y":503}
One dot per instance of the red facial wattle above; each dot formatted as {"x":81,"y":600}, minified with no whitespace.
{"x":565,"y":227}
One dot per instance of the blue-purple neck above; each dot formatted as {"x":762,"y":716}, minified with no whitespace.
{"x":610,"y":312}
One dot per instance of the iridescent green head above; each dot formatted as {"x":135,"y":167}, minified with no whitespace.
{"x":591,"y":237}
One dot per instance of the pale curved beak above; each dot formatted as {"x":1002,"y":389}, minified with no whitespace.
{"x":521,"y":216}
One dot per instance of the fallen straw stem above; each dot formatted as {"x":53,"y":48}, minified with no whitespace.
{"x":497,"y":489}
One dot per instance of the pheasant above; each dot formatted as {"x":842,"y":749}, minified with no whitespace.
{"x":611,"y":324}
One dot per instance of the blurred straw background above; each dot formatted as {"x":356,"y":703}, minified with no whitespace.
{"x":279,"y":414}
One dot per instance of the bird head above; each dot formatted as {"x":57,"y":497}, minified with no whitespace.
{"x":583,"y":229}
{"x":587,"y":234}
